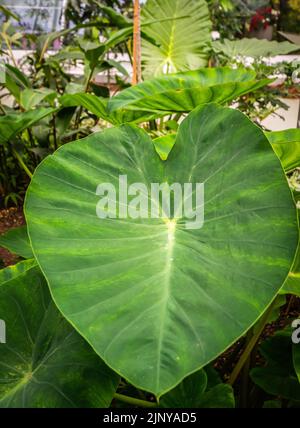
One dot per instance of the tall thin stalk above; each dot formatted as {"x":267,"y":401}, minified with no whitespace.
{"x":137,"y":64}
{"x":134,"y":401}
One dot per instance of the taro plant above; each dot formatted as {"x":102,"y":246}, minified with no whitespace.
{"x":154,"y":301}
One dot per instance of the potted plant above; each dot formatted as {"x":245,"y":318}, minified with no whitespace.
{"x":262,"y":23}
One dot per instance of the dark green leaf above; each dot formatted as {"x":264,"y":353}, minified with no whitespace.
{"x":187,"y":394}
{"x":45,"y":362}
{"x":16,"y":240}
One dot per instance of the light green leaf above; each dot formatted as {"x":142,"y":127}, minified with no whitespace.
{"x":98,"y":106}
{"x":182,"y":36}
{"x":30,"y":98}
{"x":182,"y":92}
{"x":158,"y":301}
{"x":92,"y":103}
{"x":16,"y":240}
{"x":15,"y":81}
{"x":286,"y":145}
{"x":14,"y":123}
{"x":164,"y":144}
{"x":45,"y":362}
{"x":252,"y":47}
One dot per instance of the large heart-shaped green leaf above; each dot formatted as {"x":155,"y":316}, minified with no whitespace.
{"x":181,"y":36}
{"x":182,"y":92}
{"x":156,"y":300}
{"x":45,"y":362}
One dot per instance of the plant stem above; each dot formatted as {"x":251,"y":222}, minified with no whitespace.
{"x":245,"y":355}
{"x":291,"y":301}
{"x":137,"y":69}
{"x":9,"y":47}
{"x":87,"y":83}
{"x":2,"y":109}
{"x":21,"y":162}
{"x":245,"y":374}
{"x":54,"y":132}
{"x":134,"y":401}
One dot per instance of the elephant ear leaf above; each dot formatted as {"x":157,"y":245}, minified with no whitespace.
{"x":16,"y":241}
{"x":45,"y":362}
{"x":182,"y":92}
{"x":156,"y":299}
{"x":252,"y":47}
{"x":181,"y":28}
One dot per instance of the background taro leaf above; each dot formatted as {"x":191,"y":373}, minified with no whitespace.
{"x":182,"y":92}
{"x":30,"y":98}
{"x":219,"y":397}
{"x":98,"y":106}
{"x":278,"y":377}
{"x":252,"y":47}
{"x":187,"y":394}
{"x":44,"y":362}
{"x":92,"y":103}
{"x":272,"y":404}
{"x":181,"y":38}
{"x":286,"y":145}
{"x":16,"y":241}
{"x":12,"y":124}
{"x":156,"y":300}
{"x":196,"y":391}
